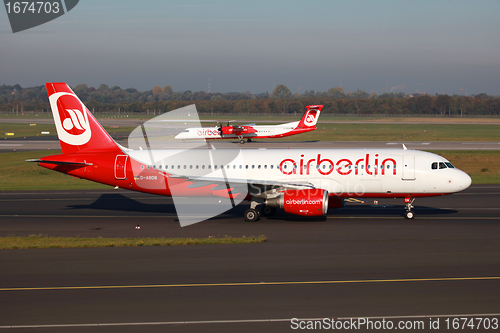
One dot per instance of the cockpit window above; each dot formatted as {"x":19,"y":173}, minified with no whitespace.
{"x":449,"y":165}
{"x":441,"y":165}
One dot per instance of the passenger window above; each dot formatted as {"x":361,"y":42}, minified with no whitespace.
{"x":142,"y":167}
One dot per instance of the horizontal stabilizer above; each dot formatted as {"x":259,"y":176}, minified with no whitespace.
{"x":60,"y":162}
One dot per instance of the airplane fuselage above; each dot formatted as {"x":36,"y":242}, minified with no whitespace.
{"x":263,"y":132}
{"x":342,"y":172}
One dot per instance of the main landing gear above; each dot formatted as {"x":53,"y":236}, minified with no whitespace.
{"x":409,"y":205}
{"x":267,"y":211}
{"x":252,"y":214}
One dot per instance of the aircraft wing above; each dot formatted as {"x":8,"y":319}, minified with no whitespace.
{"x":202,"y":181}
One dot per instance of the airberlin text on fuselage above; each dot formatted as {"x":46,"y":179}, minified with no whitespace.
{"x":343,"y":166}
{"x":207,"y":131}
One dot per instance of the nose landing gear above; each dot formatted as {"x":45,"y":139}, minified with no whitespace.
{"x":409,"y":205}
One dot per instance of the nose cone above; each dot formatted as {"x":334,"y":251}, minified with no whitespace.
{"x":464,"y":180}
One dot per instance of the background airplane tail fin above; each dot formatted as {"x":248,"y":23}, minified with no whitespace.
{"x":76,"y":127}
{"x":311,"y":116}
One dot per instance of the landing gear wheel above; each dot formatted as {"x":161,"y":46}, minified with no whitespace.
{"x":409,"y":215}
{"x":252,"y":215}
{"x":242,"y":141}
{"x":409,"y":205}
{"x":268,"y":211}
{"x":249,"y":140}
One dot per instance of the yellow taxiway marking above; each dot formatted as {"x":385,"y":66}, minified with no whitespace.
{"x":243,"y":284}
{"x":354,"y":200}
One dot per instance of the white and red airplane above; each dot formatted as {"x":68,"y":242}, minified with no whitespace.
{"x":301,"y":181}
{"x":252,"y":131}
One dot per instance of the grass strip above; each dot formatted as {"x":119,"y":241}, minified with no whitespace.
{"x":27,"y":130}
{"x":17,"y":174}
{"x":482,"y":165}
{"x":45,"y":242}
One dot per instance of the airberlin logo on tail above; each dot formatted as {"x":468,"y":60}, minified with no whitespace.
{"x":71,"y":119}
{"x":310,"y":119}
{"x":75,"y":122}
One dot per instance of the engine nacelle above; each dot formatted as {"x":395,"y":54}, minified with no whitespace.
{"x":313,"y":202}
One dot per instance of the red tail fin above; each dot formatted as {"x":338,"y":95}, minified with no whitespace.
{"x":76,"y":127}
{"x":311,"y":116}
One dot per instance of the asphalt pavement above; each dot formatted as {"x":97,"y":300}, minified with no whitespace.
{"x":364,"y":260}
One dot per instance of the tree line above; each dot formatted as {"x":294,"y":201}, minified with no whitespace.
{"x":105,"y":99}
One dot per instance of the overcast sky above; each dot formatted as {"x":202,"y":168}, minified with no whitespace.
{"x":426,"y":46}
